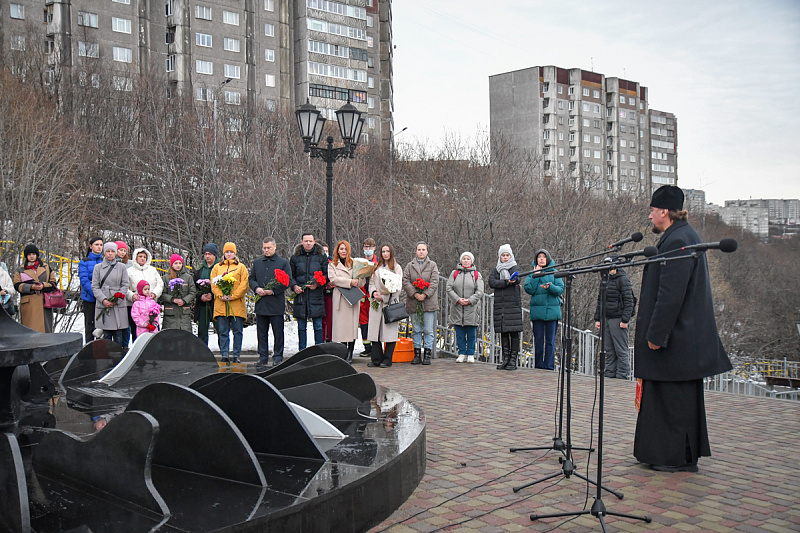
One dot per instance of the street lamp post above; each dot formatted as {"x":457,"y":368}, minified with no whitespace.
{"x":311,"y":125}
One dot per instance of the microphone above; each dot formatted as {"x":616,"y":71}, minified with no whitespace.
{"x":725,"y":245}
{"x":649,"y":251}
{"x":636,"y":237}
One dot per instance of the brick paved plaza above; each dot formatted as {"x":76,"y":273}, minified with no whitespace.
{"x":475,"y":413}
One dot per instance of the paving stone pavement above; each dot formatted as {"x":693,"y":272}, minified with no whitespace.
{"x":475,"y":413}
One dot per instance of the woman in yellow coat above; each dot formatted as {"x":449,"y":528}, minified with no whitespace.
{"x":229,"y":283}
{"x":345,"y":316}
{"x":31,"y":280}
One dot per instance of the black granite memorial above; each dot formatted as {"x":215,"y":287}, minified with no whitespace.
{"x":192,"y":447}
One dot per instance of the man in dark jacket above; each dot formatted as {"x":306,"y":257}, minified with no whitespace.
{"x":204,"y":304}
{"x":309,"y":301}
{"x":677,"y":344}
{"x":619,"y":308}
{"x":271,"y":303}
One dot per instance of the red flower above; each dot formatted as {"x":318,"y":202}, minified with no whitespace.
{"x":151,"y":327}
{"x":282,"y":277}
{"x":420,"y":284}
{"x":319,"y":277}
{"x":119,"y":295}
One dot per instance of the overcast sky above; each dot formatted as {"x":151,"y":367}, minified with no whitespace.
{"x":730,"y":71}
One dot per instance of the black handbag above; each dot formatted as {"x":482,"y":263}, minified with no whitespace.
{"x":394,"y":312}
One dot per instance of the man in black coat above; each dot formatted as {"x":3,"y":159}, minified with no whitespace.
{"x":619,"y":309}
{"x":309,"y":301}
{"x":271,"y":303}
{"x":677,"y":344}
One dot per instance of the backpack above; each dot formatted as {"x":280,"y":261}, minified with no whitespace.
{"x":475,"y":272}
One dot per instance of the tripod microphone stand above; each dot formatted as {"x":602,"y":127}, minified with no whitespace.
{"x":598,"y":508}
{"x":565,"y":391}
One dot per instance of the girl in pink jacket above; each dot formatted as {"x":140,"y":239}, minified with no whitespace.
{"x":145,"y":311}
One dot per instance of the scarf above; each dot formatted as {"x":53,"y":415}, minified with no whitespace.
{"x":33,"y":266}
{"x":503,"y":268}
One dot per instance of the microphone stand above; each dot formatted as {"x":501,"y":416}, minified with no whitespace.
{"x":565,"y":396}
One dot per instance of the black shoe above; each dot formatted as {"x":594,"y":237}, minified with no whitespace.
{"x":236,"y":360}
{"x":427,"y":359}
{"x":276,"y":363}
{"x":672,"y":469}
{"x":260,"y":367}
{"x":373,"y":365}
{"x":367,"y":350}
{"x":224,"y":360}
{"x":506,"y":360}
{"x":385,"y":365}
{"x":512,"y":361}
{"x":417,"y":359}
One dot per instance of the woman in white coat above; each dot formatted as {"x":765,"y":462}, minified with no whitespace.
{"x":344,"y":326}
{"x":380,"y":332}
{"x":141,"y":269}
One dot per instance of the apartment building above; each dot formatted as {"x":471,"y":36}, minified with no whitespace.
{"x":275,"y":53}
{"x":694,"y":201}
{"x":585,"y":126}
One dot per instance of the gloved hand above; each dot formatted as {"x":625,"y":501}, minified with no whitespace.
{"x":514,"y":276}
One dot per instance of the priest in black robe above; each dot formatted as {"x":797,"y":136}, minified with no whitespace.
{"x":677,"y":344}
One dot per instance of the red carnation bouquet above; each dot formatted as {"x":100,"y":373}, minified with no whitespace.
{"x":319,"y":279}
{"x":421,"y":285}
{"x":117,"y":296}
{"x":281,"y":278}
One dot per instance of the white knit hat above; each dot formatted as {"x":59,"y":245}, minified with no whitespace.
{"x":466,"y":254}
{"x":505,"y":249}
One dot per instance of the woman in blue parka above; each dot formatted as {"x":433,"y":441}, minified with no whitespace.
{"x":85,"y":269}
{"x":545,"y":308}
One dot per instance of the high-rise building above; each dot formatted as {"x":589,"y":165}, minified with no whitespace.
{"x":235,"y":52}
{"x":694,"y":201}
{"x":585,"y":126}
{"x":779,"y":211}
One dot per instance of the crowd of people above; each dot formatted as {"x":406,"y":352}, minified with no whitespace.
{"x":677,"y":343}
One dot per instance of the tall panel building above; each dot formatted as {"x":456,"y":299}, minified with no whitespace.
{"x":585,"y":126}
{"x":236,"y":52}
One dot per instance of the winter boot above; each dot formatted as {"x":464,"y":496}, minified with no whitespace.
{"x":417,"y":360}
{"x":460,"y":359}
{"x":350,"y":347}
{"x":426,"y":360}
{"x":512,"y":361}
{"x":367,"y":349}
{"x":506,"y":347}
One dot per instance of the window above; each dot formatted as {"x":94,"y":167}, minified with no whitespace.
{"x":269,"y":30}
{"x":122,"y":1}
{"x":125,"y":55}
{"x":597,"y":139}
{"x":572,"y":151}
{"x":622,"y":128}
{"x":87,"y":19}
{"x":202,"y":12}
{"x":88,"y":49}
{"x":621,"y":99}
{"x":631,"y":100}
{"x":596,"y":123}
{"x":232,"y":71}
{"x":597,"y":154}
{"x":546,"y":134}
{"x":169,"y":8}
{"x":272,"y":105}
{"x":623,"y":143}
{"x":369,"y":39}
{"x":233,"y":98}
{"x":561,"y":104}
{"x":545,"y":87}
{"x":587,"y":152}
{"x":370,"y":102}
{"x":622,"y":157}
{"x":204,"y":67}
{"x":571,"y":105}
{"x":632,"y":115}
{"x":561,"y":150}
{"x":622,"y":114}
{"x":596,"y":108}
{"x":17,"y":11}
{"x":572,"y":136}
{"x":170,"y":35}
{"x":596,"y":170}
{"x":370,"y":62}
{"x":596,"y":93}
{"x":204,"y":94}
{"x":369,"y":21}
{"x":121,"y":83}
{"x":561,"y":120}
{"x":633,"y":172}
{"x":231,"y":45}
{"x":571,"y":90}
{"x":587,"y":138}
{"x":371,"y":123}
{"x":18,"y":43}
{"x":170,"y":62}
{"x":233,"y":124}
{"x":586,"y":123}
{"x":633,"y":129}
{"x":371,"y":82}
{"x":269,"y":55}
{"x":560,"y":135}
{"x":229,"y":17}
{"x":571,"y":121}
{"x":270,"y":80}
{"x":585,"y":91}
{"x":93,"y":80}
{"x":633,"y":159}
{"x":632,"y":144}
{"x":203,"y":39}
{"x":269,"y":5}
{"x":586,"y":107}
{"x":560,"y":89}
{"x":120,"y":25}
{"x":48,"y":14}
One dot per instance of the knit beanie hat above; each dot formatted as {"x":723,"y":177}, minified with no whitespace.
{"x":211,"y":247}
{"x":31,"y":249}
{"x":120,"y":245}
{"x":173,"y":258}
{"x":110,"y":246}
{"x":505,"y":249}
{"x":141,"y":285}
{"x":467,"y":254}
{"x":229,"y":247}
